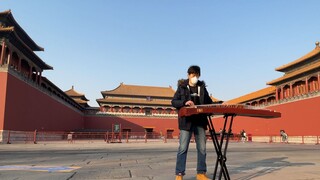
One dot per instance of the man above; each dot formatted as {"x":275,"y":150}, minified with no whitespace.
{"x":243,"y":135}
{"x":191,"y":92}
{"x":284,"y":136}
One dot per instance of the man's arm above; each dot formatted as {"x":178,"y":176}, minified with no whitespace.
{"x":178,"y":101}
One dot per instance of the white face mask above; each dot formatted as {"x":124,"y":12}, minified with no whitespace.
{"x":194,"y":80}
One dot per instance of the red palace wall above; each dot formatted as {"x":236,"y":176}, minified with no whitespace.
{"x":136,"y":124}
{"x":297,"y":118}
{"x":23,"y":107}
{"x":27,"y":109}
{"x":3,"y":87}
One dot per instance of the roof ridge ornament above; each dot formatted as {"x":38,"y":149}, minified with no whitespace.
{"x":317,"y":44}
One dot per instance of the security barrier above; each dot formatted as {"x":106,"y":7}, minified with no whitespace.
{"x":7,"y":136}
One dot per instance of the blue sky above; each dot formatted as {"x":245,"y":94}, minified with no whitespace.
{"x":97,"y":44}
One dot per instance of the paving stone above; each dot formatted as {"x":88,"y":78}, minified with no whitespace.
{"x":156,"y":161}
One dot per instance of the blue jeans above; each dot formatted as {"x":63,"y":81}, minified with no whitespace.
{"x":200,"y":137}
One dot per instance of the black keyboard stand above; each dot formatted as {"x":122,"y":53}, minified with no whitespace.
{"x":221,"y":152}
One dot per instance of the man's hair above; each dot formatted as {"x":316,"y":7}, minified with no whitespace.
{"x":194,"y":70}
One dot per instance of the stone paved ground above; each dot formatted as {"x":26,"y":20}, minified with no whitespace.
{"x":153,"y":160}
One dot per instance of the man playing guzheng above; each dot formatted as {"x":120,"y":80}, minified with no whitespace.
{"x":191,"y":92}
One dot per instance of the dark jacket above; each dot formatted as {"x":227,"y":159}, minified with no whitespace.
{"x":182,"y":95}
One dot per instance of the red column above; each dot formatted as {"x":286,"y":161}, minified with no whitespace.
{"x":30,"y":73}
{"x":19,"y":65}
{"x":40,"y":78}
{"x":277,"y":94}
{"x":318,"y":81}
{"x":291,"y":92}
{"x":281,"y":93}
{"x":306,"y":88}
{"x":313,"y":85}
{"x":37,"y":77}
{"x":9,"y":57}
{"x":2,"y":53}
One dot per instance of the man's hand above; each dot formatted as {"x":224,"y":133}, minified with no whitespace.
{"x":189,"y":103}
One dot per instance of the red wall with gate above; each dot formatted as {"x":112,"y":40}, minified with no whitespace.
{"x":135,"y":124}
{"x":23,"y":107}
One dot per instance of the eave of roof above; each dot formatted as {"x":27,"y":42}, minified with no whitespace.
{"x":254,"y":95}
{"x":80,"y":101}
{"x":127,"y":101}
{"x":136,"y":90}
{"x":295,"y":73}
{"x":8,"y":17}
{"x":311,"y":54}
{"x":11,"y":34}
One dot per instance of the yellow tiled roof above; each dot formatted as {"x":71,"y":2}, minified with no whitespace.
{"x":214,"y":99}
{"x":295,"y":73}
{"x":136,"y":90}
{"x":72,"y":93}
{"x":6,"y":12}
{"x":8,"y":19}
{"x":303,"y":58}
{"x":253,"y":95}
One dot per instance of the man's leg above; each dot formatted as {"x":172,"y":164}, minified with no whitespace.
{"x":184,"y":141}
{"x":200,"y":136}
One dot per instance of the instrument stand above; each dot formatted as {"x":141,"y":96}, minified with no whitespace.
{"x":221,"y":152}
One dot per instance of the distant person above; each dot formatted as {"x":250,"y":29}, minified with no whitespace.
{"x":69,"y":138}
{"x":192,"y":92}
{"x":243,"y":135}
{"x":220,"y":132}
{"x":284,"y":136}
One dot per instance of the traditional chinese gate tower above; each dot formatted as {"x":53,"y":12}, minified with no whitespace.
{"x":28,"y":100}
{"x":296,"y":95}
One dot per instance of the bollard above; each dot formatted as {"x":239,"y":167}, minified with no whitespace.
{"x":317,"y":140}
{"x":145,"y":137}
{"x":165,"y":138}
{"x":112,"y":137}
{"x":270,"y":139}
{"x":302,"y":137}
{"x":127,"y":137}
{"x":107,"y":137}
{"x":8,"y":141}
{"x":35,"y":137}
{"x":249,"y":137}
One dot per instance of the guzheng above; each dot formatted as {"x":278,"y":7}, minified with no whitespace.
{"x":224,"y":109}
